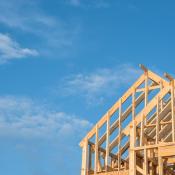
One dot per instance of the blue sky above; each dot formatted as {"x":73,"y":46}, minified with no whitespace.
{"x":63,"y":64}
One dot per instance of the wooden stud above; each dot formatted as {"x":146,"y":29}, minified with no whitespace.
{"x":156,"y":148}
{"x":160,"y":165}
{"x":146,"y":89}
{"x":96,"y":161}
{"x":143,"y":67}
{"x":90,"y":158}
{"x":132,"y":156}
{"x":126,"y":95}
{"x":149,"y":107}
{"x":107,"y":142}
{"x":84,"y":169}
{"x":145,"y":162}
{"x":172,"y":110}
{"x":133,"y":104}
{"x":157,"y":121}
{"x":161,"y":101}
{"x":168,"y":76}
{"x":119,"y":145}
{"x":132,"y":153}
{"x":146,"y":92}
{"x":142,"y":131}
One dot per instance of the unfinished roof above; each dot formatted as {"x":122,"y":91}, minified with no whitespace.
{"x":137,"y":134}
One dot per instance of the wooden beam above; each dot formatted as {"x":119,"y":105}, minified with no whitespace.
{"x":160,"y":165}
{"x":172,"y":111}
{"x":154,"y":77}
{"x":90,"y":158}
{"x":132,"y":154}
{"x":96,"y":152}
{"x":84,"y":168}
{"x":153,"y":146}
{"x":149,"y":88}
{"x":115,"y":141}
{"x":107,"y":142}
{"x":146,"y":88}
{"x":164,"y":114}
{"x":140,"y":170}
{"x":145,"y":162}
{"x":102,"y":150}
{"x":142,"y":131}
{"x":168,"y":76}
{"x":146,"y":91}
{"x":113,"y":109}
{"x":161,"y":101}
{"x":119,"y":145}
{"x":143,"y":67}
{"x":157,"y":134}
{"x":157,"y":121}
{"x":167,"y":151}
{"x":149,"y":107}
{"x":125,"y":114}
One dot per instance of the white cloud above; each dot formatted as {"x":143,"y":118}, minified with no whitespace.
{"x":100,"y":83}
{"x":91,"y":4}
{"x":21,"y":117}
{"x":23,"y":15}
{"x":50,"y":33}
{"x":10,"y":49}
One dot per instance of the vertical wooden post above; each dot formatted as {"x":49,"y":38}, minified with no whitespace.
{"x":96,"y":152}
{"x":146,"y":88}
{"x":133,"y":104}
{"x":132,"y":153}
{"x":160,"y":164}
{"x":99,"y":162}
{"x":161,"y":101}
{"x":119,"y":143}
{"x":172,"y":110}
{"x":171,"y":79}
{"x":157,"y":121}
{"x":84,"y":168}
{"x":146,"y":91}
{"x":142,"y":132}
{"x":90,"y":158}
{"x":145,"y":162}
{"x":107,"y":141}
{"x":151,"y":166}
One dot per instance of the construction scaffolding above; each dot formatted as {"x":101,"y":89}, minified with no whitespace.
{"x":136,"y":136}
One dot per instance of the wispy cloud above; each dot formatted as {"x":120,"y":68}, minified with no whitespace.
{"x":100,"y":83}
{"x":51,"y":33}
{"x":10,"y":49}
{"x":93,"y":4}
{"x":14,"y":16}
{"x":22,"y":117}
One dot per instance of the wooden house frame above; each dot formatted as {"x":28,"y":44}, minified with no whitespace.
{"x":136,"y":136}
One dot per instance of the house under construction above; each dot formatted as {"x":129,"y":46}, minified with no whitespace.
{"x":136,"y":136}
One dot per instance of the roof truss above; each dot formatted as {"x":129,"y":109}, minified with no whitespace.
{"x":142,"y":117}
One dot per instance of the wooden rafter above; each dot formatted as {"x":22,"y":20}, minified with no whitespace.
{"x":140,"y":141}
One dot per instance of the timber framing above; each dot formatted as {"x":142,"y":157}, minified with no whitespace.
{"x":138,"y":135}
